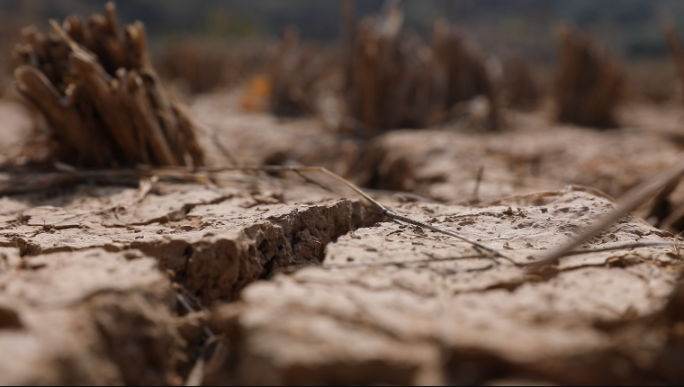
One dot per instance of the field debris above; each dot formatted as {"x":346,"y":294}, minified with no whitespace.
{"x":588,"y":84}
{"x":394,"y":80}
{"x":294,"y":71}
{"x":382,"y":86}
{"x":466,"y":75}
{"x":101,"y":96}
{"x":523,"y":89}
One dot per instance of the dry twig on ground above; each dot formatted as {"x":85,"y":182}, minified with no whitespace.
{"x":102,"y":97}
{"x":636,"y":197}
{"x":588,"y":84}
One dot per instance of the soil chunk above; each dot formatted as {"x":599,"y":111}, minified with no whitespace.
{"x":88,"y":317}
{"x":89,"y":277}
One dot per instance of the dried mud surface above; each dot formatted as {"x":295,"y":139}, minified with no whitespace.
{"x":89,"y":277}
{"x":311,"y":287}
{"x":401,"y":305}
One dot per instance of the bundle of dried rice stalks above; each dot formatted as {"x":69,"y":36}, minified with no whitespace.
{"x":523,"y":91}
{"x":676,"y":48}
{"x":294,"y":71}
{"x":588,"y":85}
{"x":463,"y":72}
{"x":394,"y":80}
{"x":389,"y":79}
{"x":102,"y":97}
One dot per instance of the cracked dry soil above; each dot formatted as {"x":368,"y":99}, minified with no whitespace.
{"x":89,"y":296}
{"x":89,"y":278}
{"x":306,"y":287}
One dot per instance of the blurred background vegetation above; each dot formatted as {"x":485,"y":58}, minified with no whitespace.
{"x":631,"y":28}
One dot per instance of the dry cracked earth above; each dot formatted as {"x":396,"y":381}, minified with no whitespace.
{"x":274,"y":281}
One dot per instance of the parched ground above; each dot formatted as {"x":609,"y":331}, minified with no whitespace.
{"x":304,"y":286}
{"x":400,"y":305}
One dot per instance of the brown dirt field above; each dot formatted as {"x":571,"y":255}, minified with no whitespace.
{"x":304,"y":286}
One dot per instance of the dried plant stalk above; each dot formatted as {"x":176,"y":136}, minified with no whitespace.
{"x":676,"y":48}
{"x":294,"y":71}
{"x":393,"y":80}
{"x":101,"y":96}
{"x":388,"y":82}
{"x":588,"y":84}
{"x":464,"y":71}
{"x":523,"y":91}
{"x":634,"y":198}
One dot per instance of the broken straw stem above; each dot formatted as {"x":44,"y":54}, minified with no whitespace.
{"x":624,"y":247}
{"x":633,"y":199}
{"x":186,"y":304}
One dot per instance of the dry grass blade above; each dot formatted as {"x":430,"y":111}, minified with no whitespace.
{"x":625,"y":247}
{"x":196,"y":376}
{"x":633,"y":199}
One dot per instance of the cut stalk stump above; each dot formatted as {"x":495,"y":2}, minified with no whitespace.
{"x":588,"y":84}
{"x":101,"y":96}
